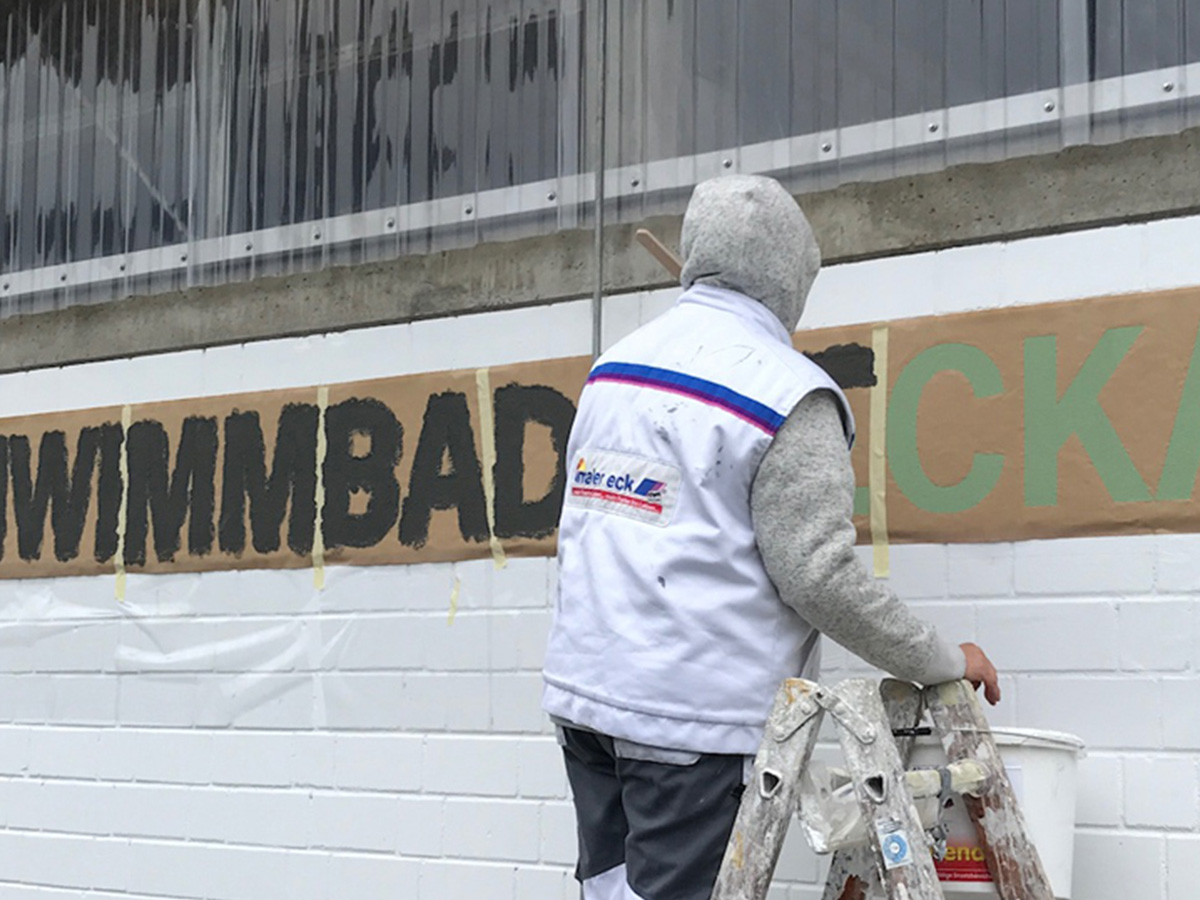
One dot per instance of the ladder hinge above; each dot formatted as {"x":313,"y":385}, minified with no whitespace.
{"x":847,"y":716}
{"x":796,"y":717}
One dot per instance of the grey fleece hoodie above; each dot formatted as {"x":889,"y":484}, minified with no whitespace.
{"x":747,"y":234}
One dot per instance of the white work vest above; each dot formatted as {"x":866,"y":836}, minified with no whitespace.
{"x":667,"y":630}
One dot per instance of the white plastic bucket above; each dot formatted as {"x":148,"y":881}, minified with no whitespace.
{"x":1041,"y":766}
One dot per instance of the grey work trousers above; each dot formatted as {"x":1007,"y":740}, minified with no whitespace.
{"x":649,"y":830}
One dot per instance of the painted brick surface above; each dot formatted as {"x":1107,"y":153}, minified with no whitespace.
{"x":1183,"y":866}
{"x":1045,"y":635}
{"x":1119,"y":864}
{"x":241,"y":735}
{"x":1102,"y":565}
{"x":1157,"y":635}
{"x":1161,"y":792}
{"x":1100,"y":794}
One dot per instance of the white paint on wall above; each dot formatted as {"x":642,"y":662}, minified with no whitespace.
{"x":241,"y":735}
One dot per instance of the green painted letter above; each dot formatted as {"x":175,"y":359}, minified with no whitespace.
{"x":1050,"y":420}
{"x":862,"y":501}
{"x":1183,"y":453}
{"x":903,"y":456}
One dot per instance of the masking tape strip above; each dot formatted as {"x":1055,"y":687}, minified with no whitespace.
{"x":318,"y":548}
{"x":487,"y":440}
{"x":877,"y":471}
{"x":123,"y":509}
{"x":455,"y":587}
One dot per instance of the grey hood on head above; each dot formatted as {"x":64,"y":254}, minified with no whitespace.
{"x":746,"y":233}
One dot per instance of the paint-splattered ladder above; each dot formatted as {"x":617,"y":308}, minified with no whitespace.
{"x":896,"y":863}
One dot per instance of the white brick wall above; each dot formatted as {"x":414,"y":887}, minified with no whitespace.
{"x":238,"y":735}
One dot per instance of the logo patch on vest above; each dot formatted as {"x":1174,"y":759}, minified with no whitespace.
{"x":645,"y":490}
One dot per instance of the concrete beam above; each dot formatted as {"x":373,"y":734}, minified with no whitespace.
{"x":1083,"y":187}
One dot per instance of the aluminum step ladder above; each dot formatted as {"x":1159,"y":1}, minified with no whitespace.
{"x":876,"y":725}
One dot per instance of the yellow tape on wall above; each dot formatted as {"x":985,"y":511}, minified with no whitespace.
{"x":877,"y":468}
{"x":123,"y":510}
{"x":487,"y":444}
{"x":318,"y":547}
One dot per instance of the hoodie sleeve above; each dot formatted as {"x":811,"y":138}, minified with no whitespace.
{"x":802,"y":501}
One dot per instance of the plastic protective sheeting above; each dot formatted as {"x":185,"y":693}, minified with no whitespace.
{"x":151,"y":145}
{"x":158,"y":144}
{"x":253,"y":650}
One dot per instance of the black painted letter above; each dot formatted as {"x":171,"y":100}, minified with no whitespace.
{"x":515,"y":406}
{"x":293,"y":473}
{"x":186,"y":493}
{"x":66,"y":494}
{"x":373,"y":472}
{"x":3,"y":493}
{"x":445,"y":432}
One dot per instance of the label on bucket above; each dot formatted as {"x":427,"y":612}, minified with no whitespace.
{"x":964,"y":857}
{"x":963,"y":862}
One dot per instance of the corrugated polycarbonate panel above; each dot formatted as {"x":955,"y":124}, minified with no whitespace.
{"x":150,"y":145}
{"x":159,"y":144}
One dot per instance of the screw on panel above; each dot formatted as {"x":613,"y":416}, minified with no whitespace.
{"x":63,"y":277}
{"x":552,"y":196}
{"x":1049,"y":107}
{"x":249,"y":247}
{"x":826,"y":147}
{"x":183,"y":257}
{"x":121,"y":267}
{"x":316,"y":235}
{"x":635,"y":182}
{"x":391,"y":222}
{"x":933,"y":127}
{"x":6,"y":287}
{"x":727,"y":163}
{"x":1168,"y":86}
{"x":468,"y":210}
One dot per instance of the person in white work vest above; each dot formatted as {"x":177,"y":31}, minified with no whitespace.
{"x":705,"y":544}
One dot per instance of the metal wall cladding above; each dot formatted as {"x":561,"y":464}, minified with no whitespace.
{"x":150,"y":145}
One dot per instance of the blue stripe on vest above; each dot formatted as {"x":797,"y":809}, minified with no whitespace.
{"x":757,"y":414}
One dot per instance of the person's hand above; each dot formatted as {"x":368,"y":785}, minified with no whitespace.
{"x":981,"y":671}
